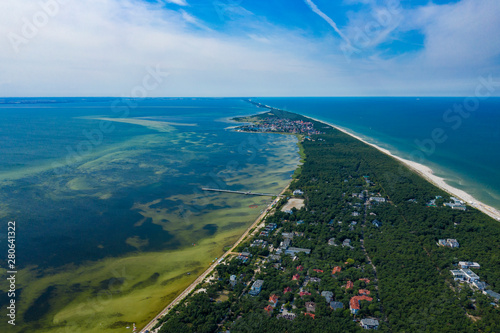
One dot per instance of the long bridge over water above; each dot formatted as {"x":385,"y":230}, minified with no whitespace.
{"x":240,"y":192}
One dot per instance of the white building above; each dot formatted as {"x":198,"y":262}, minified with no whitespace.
{"x":369,"y":323}
{"x":468,"y":264}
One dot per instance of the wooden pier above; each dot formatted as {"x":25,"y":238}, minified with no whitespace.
{"x":240,"y":192}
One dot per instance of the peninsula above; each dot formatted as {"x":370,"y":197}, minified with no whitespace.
{"x":361,"y":248}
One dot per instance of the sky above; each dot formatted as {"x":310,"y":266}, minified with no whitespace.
{"x":227,"y":48}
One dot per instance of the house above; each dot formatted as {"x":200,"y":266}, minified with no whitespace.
{"x":453,"y":243}
{"x":364,"y":292}
{"x":458,"y":275}
{"x":300,"y":268}
{"x":377,"y":199}
{"x":377,"y":223}
{"x":354,"y":303}
{"x":295,"y":250}
{"x":456,"y":204}
{"x":369,"y":324}
{"x":365,"y":280}
{"x":328,"y":295}
{"x":331,"y":242}
{"x":304,"y":293}
{"x":355,"y":214}
{"x":269,"y":309}
{"x":244,"y":256}
{"x":310,"y":314}
{"x":336,"y":305}
{"x":287,"y":235}
{"x":346,"y":242}
{"x":273,"y":300}
{"x":295,"y":277}
{"x":469,"y":275}
{"x":287,"y":290}
{"x":468,"y":264}
{"x":315,"y":279}
{"x":336,"y":269}
{"x":299,"y":222}
{"x":491,"y":293}
{"x":310,"y":306}
{"x":349,"y":285}
{"x":256,"y":288}
{"x":232,"y":280}
{"x":298,"y":192}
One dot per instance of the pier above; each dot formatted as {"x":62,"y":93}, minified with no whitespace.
{"x":240,"y":192}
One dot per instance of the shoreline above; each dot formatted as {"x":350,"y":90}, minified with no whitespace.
{"x":185,"y":293}
{"x":428,"y":174}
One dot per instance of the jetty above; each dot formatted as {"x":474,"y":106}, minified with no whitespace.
{"x":241,"y":192}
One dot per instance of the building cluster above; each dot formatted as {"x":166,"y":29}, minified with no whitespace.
{"x":456,"y":204}
{"x":453,"y":204}
{"x":281,"y":125}
{"x":465,"y":274}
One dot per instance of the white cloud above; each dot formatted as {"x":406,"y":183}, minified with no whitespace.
{"x":193,"y":20}
{"x":178,"y":2}
{"x":102,"y":48}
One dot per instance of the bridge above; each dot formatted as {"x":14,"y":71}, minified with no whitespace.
{"x":240,"y":192}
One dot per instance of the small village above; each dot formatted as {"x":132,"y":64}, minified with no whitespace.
{"x":278,"y":125}
{"x":292,"y":266}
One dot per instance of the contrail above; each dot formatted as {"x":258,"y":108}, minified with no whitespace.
{"x":327,"y":19}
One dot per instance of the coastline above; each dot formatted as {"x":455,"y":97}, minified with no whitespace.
{"x":186,"y":292}
{"x":428,"y":174}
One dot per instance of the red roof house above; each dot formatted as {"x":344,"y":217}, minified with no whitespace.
{"x":354,"y":303}
{"x":336,"y":269}
{"x":295,"y":277}
{"x":364,"y":292}
{"x":349,"y":285}
{"x":300,"y":268}
{"x":273,"y":300}
{"x":318,"y":270}
{"x":287,"y":290}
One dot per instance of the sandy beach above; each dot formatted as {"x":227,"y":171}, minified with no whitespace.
{"x":429,"y":175}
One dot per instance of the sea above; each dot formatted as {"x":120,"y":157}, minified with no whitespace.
{"x":112,"y":221}
{"x":458,"y":138}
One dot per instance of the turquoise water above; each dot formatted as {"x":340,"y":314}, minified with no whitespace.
{"x":71,"y":180}
{"x":465,"y":148}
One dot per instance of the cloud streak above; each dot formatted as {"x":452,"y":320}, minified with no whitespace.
{"x":325,"y":17}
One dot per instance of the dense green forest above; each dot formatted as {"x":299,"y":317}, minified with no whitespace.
{"x":412,"y":288}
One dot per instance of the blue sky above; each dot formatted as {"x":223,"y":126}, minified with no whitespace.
{"x":248,"y":47}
